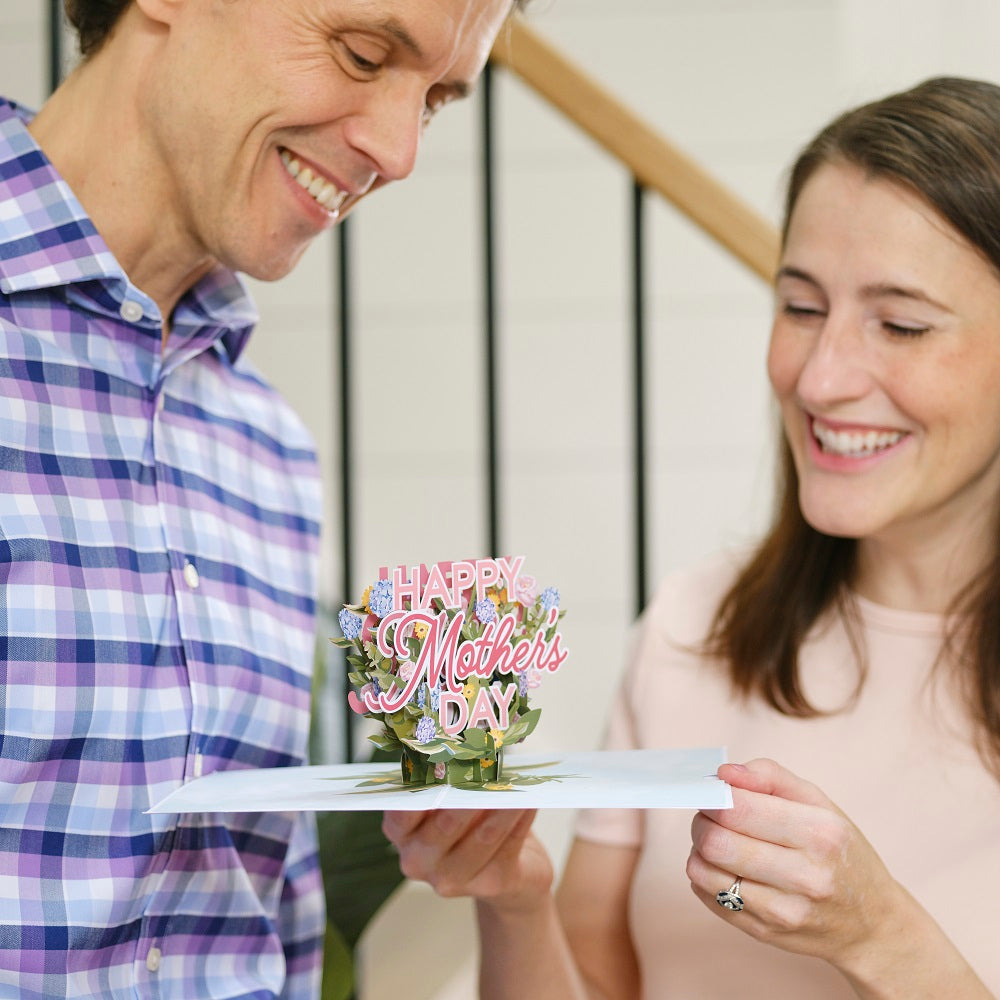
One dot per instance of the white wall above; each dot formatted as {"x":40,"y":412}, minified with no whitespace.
{"x":740,"y":86}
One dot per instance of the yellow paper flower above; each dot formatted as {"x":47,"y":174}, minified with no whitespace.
{"x":365,"y":597}
{"x":497,"y":735}
{"x":420,"y":630}
{"x":487,"y":762}
{"x":469,"y":691}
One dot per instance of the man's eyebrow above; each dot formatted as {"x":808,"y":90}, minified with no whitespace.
{"x":876,"y":290}
{"x":392,"y":27}
{"x":460,"y":88}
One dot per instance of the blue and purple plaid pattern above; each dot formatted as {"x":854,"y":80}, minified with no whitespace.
{"x":158,"y":542}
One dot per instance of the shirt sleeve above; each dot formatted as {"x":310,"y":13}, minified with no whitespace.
{"x":302,"y":913}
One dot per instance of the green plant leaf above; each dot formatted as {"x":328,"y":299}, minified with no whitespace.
{"x":338,"y":966}
{"x":360,"y":869}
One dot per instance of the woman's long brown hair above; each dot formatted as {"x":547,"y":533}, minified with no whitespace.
{"x":940,"y":140}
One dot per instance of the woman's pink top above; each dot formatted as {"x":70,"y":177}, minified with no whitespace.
{"x":899,"y":762}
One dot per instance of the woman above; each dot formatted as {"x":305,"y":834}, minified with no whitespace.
{"x":859,"y":644}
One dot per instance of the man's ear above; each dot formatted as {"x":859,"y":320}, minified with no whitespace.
{"x":162,"y":11}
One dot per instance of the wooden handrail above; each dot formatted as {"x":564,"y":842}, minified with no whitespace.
{"x":654,"y":161}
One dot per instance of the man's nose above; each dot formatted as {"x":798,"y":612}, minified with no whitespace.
{"x":389,"y":134}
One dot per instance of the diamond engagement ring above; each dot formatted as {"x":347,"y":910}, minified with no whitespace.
{"x":730,"y":899}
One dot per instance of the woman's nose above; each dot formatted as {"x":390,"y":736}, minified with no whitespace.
{"x":836,"y":366}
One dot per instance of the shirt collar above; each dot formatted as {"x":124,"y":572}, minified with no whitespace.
{"x":47,"y":240}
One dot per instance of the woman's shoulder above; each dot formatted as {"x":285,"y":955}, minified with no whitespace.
{"x":685,"y":602}
{"x":672,"y":685}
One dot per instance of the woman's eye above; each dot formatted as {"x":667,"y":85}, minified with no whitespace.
{"x":800,"y":311}
{"x":903,"y":330}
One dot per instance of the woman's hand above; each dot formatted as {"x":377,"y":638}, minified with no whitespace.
{"x":812,"y":884}
{"x":488,"y":854}
{"x":492,"y":856}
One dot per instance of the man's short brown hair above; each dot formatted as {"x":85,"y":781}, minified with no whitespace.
{"x":94,"y":19}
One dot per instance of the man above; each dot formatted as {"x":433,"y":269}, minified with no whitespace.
{"x":158,"y":504}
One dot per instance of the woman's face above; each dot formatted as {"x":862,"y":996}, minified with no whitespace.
{"x":885,"y":358}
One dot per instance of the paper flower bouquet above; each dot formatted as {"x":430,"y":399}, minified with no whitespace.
{"x":445,"y":658}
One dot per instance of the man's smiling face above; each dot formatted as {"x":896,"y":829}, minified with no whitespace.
{"x":271,"y":119}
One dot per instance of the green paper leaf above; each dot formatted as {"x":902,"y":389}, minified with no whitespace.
{"x":387,"y":741}
{"x":475,"y":738}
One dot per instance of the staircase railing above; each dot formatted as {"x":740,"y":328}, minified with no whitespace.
{"x":655,"y":162}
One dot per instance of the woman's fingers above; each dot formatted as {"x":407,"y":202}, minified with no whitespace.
{"x":461,"y":852}
{"x":808,"y":874}
{"x":770,"y":778}
{"x":773,"y":805}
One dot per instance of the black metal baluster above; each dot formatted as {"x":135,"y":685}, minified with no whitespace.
{"x":344,"y":332}
{"x":490,"y":313}
{"x":55,"y":43}
{"x":641,"y":539}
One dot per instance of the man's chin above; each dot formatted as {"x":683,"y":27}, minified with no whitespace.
{"x":271,"y":269}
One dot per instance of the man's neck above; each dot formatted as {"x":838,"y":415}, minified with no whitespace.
{"x":93,"y":132}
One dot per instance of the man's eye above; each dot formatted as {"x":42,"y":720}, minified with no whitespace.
{"x":365,"y":65}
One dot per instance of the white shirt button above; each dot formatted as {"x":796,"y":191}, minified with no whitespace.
{"x":131,"y":311}
{"x":191,"y":577}
{"x":153,"y":959}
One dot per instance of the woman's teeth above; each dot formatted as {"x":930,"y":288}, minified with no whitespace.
{"x":325,"y":193}
{"x":854,"y":444}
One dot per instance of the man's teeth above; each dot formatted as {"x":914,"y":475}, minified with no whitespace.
{"x":325,"y":193}
{"x":855,"y":444}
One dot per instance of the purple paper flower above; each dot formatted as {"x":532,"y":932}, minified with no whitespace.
{"x":522,"y":685}
{"x":350,"y":623}
{"x":436,"y":697}
{"x":380,"y":598}
{"x":550,"y":599}
{"x":425,"y":730}
{"x":486,"y":611}
{"x":421,"y":696}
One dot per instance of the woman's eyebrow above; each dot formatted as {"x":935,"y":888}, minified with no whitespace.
{"x":786,"y":271}
{"x":875,"y":290}
{"x":881,"y":290}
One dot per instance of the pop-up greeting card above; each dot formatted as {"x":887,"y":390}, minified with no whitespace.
{"x":445,"y":658}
